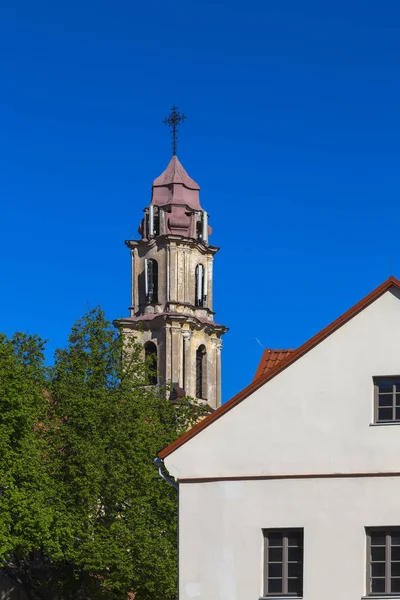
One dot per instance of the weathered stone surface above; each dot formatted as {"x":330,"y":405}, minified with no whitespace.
{"x":175,"y":234}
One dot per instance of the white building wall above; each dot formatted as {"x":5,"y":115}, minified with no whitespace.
{"x":314,"y":417}
{"x":221,"y":541}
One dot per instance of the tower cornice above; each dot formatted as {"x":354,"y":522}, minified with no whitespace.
{"x":179,"y":240}
{"x":158,"y":321}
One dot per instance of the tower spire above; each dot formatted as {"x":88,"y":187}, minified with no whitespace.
{"x":174,"y":119}
{"x":171,"y":312}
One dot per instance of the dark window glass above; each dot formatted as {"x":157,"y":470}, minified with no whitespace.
{"x":395,"y":552}
{"x":294,"y":569}
{"x":295,"y":586}
{"x":274,"y":570}
{"x":157,"y":222}
{"x":295,"y":553}
{"x":378,"y":586}
{"x":385,"y":387}
{"x":378,"y":553}
{"x":275,"y":554}
{"x":378,"y":569}
{"x":275,"y":539}
{"x":275,"y":586}
{"x":201,"y":369}
{"x":385,"y":400}
{"x":395,"y":569}
{"x":385,"y":414}
{"x":378,"y":539}
{"x":294,"y":541}
{"x":152,"y":280}
{"x":395,"y":585}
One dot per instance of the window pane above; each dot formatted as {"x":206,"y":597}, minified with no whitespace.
{"x":274,"y":554}
{"x":385,"y":400}
{"x":397,"y":399}
{"x":275,"y":570}
{"x":378,"y":553}
{"x":395,"y":569}
{"x":377,"y":586}
{"x":398,"y":413}
{"x":395,"y":584}
{"x":295,"y":586}
{"x":296,"y":569}
{"x":274,"y":586}
{"x":395,"y":552}
{"x":275,"y":539}
{"x":385,"y":386}
{"x":385,"y":414}
{"x":295,"y":540}
{"x":378,"y":538}
{"x":295,"y":554}
{"x":395,"y":541}
{"x":378,"y":569}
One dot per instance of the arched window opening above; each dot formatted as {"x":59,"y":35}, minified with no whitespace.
{"x":153,"y":221}
{"x":199,"y":230}
{"x":201,"y":372}
{"x":150,"y":350}
{"x":151,"y":280}
{"x":201,"y":286}
{"x":157,"y":222}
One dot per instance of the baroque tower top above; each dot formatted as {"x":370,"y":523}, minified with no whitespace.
{"x":175,"y":196}
{"x":171,"y":311}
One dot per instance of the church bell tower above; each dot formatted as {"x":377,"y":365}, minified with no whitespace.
{"x":172,"y":288}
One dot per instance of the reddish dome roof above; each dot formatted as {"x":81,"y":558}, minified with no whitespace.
{"x":174,"y":186}
{"x":175,"y":173}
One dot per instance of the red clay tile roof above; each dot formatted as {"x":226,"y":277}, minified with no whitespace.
{"x":269,"y":360}
{"x":283,"y":364}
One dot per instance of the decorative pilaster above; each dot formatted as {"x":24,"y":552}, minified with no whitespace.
{"x":218,"y":348}
{"x":186,"y":383}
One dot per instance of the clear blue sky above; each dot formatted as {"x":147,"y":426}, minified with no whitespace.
{"x":292,"y":133}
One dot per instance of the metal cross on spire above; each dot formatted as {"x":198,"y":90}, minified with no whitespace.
{"x":174,"y":119}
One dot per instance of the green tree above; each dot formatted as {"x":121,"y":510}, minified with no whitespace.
{"x":83,"y":512}
{"x":107,"y":425}
{"x":26,"y":489}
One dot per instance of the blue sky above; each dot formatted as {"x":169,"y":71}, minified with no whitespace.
{"x":292,"y":133}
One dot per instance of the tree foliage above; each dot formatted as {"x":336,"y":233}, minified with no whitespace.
{"x":83,"y":512}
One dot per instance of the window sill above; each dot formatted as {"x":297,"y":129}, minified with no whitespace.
{"x":388,"y":424}
{"x":291,"y":596}
{"x":380,"y":596}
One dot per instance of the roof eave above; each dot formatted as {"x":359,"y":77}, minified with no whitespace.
{"x":292,"y":358}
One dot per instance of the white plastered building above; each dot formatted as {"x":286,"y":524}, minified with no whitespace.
{"x":292,"y":488}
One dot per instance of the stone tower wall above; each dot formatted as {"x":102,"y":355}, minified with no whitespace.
{"x":175,"y":234}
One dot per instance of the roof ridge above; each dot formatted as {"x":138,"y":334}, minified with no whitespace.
{"x":279,"y":349}
{"x":290,"y":359}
